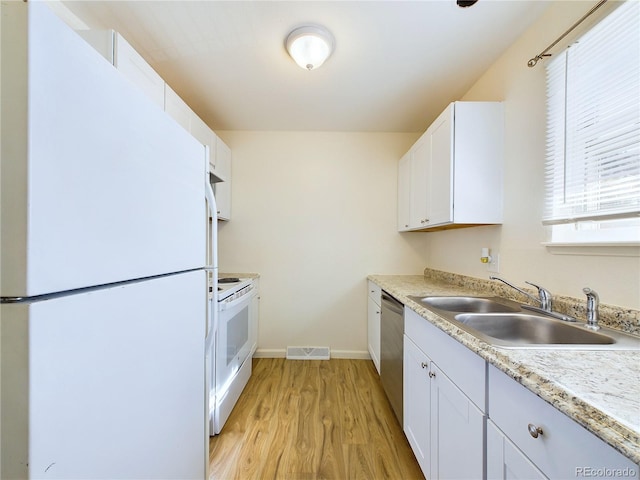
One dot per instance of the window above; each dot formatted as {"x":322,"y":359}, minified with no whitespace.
{"x":593,"y":134}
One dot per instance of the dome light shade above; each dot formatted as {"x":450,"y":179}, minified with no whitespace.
{"x":310,"y":46}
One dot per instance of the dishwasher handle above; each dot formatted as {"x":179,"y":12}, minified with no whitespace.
{"x":392,"y":304}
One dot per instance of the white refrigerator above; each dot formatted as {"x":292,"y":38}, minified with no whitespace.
{"x":107,"y":268}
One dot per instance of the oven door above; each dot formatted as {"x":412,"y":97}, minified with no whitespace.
{"x":233,"y":340}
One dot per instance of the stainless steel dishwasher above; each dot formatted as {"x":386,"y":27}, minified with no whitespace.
{"x":391,"y":351}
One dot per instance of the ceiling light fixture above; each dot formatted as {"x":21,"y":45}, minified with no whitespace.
{"x":310,"y":46}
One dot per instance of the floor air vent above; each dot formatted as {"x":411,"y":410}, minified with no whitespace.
{"x":308,"y":353}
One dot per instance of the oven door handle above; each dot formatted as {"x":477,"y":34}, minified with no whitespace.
{"x":234,"y":303}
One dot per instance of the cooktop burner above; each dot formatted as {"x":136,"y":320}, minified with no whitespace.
{"x":228,"y":280}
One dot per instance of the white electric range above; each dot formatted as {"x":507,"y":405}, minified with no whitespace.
{"x":231,"y":367}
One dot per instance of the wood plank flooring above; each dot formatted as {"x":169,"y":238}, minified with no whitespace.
{"x":312,"y":420}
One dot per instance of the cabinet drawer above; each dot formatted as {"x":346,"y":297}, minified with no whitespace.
{"x":466,"y":369}
{"x":564,"y":449}
{"x":375,"y":292}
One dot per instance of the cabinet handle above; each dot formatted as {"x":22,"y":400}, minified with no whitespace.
{"x":432,"y":374}
{"x":424,"y":365}
{"x":534,"y":431}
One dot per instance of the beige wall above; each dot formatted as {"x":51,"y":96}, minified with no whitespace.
{"x":314,"y":213}
{"x":518,"y":240}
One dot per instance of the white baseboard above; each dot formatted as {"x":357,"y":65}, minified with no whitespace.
{"x":266,"y":353}
{"x":282,"y":353}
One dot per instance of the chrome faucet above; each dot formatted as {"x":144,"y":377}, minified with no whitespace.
{"x":544,"y":297}
{"x":592,"y":308}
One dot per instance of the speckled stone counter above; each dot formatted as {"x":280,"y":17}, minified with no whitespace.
{"x":598,"y":389}
{"x":239,"y":275}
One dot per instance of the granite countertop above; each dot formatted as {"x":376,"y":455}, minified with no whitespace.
{"x":238,"y":275}
{"x":598,"y":389}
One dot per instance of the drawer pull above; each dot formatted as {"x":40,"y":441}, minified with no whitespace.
{"x":534,"y":431}
{"x":424,"y":365}
{"x":432,"y":374}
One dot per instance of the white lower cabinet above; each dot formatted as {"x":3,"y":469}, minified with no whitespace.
{"x":373,"y":322}
{"x":445,"y":428}
{"x":505,"y":461}
{"x":554,"y":443}
{"x":254,"y":316}
{"x":417,"y":402}
{"x":457,"y":430}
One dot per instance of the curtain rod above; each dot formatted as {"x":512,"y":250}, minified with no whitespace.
{"x":532,"y":63}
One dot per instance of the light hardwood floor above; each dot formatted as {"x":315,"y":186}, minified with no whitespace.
{"x":311,"y":420}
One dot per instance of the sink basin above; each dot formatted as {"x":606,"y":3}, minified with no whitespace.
{"x":468,"y":304}
{"x":504,"y":323}
{"x":531,"y":329}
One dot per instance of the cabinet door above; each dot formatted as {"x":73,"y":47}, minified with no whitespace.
{"x":205,"y":136}
{"x":373,"y":331}
{"x":254,"y":316}
{"x":223,"y":171}
{"x":404,"y":192}
{"x":440,"y":174}
{"x":138,"y":71}
{"x":505,"y":461}
{"x":457,"y":431}
{"x":420,"y":159}
{"x":555,"y":450}
{"x":177,"y":108}
{"x":417,"y":401}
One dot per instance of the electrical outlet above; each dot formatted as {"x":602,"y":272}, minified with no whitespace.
{"x":494,"y":265}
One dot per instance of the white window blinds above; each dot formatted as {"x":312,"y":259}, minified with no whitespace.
{"x":593,"y":123}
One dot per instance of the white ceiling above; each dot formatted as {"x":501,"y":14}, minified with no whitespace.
{"x":395,"y":67}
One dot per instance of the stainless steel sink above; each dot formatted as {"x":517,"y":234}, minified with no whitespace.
{"x":469,"y":304}
{"x":531,"y":329}
{"x":503,"y":323}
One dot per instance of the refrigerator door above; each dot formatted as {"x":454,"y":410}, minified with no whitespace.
{"x":115,"y":388}
{"x":99,"y":185}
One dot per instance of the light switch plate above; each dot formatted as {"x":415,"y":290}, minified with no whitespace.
{"x":494,"y":265}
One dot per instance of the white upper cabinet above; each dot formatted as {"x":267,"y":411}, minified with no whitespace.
{"x":112,"y":46}
{"x":219,"y":153}
{"x":130,"y":63}
{"x":404,"y":191}
{"x":455,"y":177}
{"x":205,"y":136}
{"x":223,"y":172}
{"x":223,"y":160}
{"x":420,"y":157}
{"x":178,"y":109}
{"x":439,"y":174}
